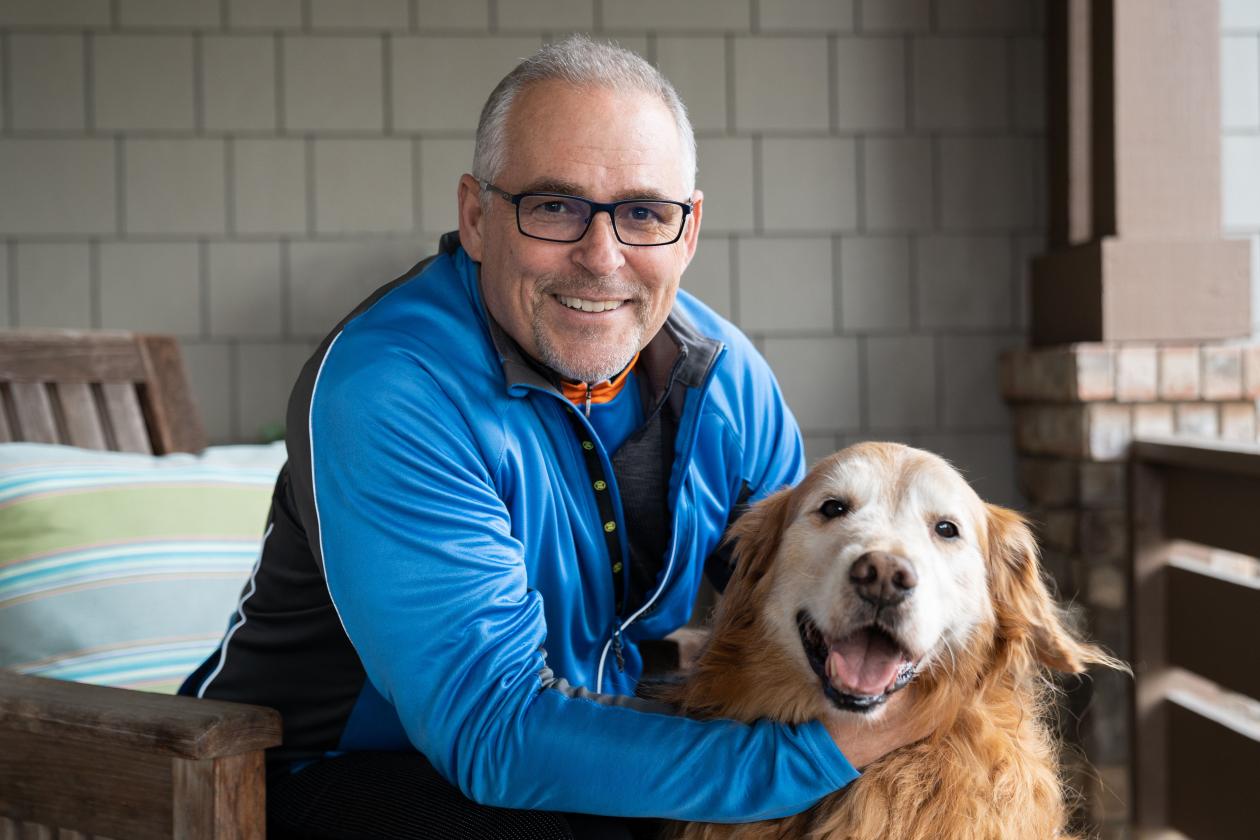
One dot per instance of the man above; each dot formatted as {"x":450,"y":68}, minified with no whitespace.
{"x":506,"y":469}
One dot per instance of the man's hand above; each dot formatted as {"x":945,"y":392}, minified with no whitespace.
{"x":864,"y":741}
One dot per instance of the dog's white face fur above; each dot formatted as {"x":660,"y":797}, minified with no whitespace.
{"x":903,"y":503}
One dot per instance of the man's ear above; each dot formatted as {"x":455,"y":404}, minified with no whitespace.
{"x":691,"y":235}
{"x":471,"y":215}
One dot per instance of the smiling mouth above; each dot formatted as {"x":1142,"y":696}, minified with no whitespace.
{"x":587,"y":305}
{"x":859,"y":671}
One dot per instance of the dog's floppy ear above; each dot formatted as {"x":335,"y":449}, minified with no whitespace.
{"x":757,"y":535}
{"x":1027,"y":615}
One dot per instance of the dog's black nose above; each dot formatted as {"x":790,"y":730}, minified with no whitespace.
{"x":883,"y":579}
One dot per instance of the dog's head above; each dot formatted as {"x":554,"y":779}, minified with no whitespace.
{"x":884,"y":564}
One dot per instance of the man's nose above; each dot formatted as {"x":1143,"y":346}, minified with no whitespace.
{"x":883,"y":579}
{"x":599,"y":252}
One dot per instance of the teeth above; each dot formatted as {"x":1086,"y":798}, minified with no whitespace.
{"x":588,"y":305}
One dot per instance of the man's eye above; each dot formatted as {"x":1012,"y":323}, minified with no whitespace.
{"x":946,"y":529}
{"x":643,"y":214}
{"x":833,"y":508}
{"x":553,"y":207}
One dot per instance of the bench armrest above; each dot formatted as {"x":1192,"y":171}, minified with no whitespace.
{"x":181,"y":727}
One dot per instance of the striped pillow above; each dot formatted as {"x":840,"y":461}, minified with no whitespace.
{"x":122,"y":569}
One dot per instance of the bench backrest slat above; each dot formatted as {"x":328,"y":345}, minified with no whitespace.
{"x":98,"y":390}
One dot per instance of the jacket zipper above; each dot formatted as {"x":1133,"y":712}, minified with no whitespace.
{"x":615,"y":642}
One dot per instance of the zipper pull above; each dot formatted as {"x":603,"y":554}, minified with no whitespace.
{"x":588,"y":399}
{"x":621,"y":660}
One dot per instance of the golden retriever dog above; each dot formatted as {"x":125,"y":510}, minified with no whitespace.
{"x":884,"y":569}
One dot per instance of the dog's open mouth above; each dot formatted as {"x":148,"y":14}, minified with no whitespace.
{"x":859,"y":671}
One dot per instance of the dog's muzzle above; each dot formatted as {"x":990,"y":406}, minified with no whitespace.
{"x":859,"y":671}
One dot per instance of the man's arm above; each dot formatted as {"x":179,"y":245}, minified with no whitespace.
{"x":431,"y":588}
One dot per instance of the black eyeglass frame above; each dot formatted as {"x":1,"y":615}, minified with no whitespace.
{"x":596,"y":207}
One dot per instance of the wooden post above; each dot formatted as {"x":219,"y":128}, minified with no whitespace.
{"x":220,"y":798}
{"x":1135,"y":194}
{"x":1148,"y":614}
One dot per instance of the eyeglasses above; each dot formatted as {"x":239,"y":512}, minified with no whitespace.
{"x":556,"y":217}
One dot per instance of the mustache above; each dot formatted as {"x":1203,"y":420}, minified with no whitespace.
{"x":585,"y":285}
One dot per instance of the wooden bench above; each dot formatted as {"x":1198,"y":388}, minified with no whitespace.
{"x":80,"y":761}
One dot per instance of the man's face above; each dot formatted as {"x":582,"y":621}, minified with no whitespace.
{"x":605,"y":146}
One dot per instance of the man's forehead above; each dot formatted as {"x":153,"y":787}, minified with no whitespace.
{"x":579,"y":140}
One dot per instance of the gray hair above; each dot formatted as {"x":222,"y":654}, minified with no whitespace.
{"x":579,"y":61}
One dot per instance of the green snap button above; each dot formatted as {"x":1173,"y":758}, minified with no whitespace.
{"x":601,"y":485}
{"x":610,"y":526}
{"x":587,"y":445}
{"x":616,"y":567}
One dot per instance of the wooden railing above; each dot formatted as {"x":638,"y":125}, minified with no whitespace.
{"x":1195,"y":518}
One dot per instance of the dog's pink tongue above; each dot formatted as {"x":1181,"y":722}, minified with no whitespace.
{"x":864,"y":663}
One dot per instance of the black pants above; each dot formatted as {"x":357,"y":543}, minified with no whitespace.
{"x":365,"y":795}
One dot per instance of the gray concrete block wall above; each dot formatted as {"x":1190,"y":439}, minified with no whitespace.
{"x":241,"y":172}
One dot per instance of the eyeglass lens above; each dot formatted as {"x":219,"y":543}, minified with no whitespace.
{"x":566,"y":219}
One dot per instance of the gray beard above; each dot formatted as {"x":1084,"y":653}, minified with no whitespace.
{"x":603,"y":362}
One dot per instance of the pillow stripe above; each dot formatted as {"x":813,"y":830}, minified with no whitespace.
{"x":125,"y":569}
{"x":150,"y":665}
{"x":124,"y":562}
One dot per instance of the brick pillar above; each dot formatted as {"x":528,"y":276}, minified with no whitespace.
{"x":1140,"y":317}
{"x":1076,"y":409}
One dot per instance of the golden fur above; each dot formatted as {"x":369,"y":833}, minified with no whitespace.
{"x":990,"y":769}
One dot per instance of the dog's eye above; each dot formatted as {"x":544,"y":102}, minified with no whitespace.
{"x":833,"y":508}
{"x":946,"y":529}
